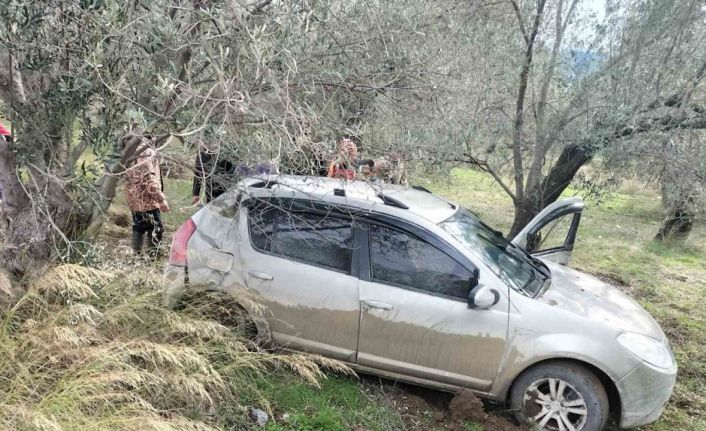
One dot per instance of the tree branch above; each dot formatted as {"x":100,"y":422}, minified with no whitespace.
{"x":520,"y":21}
{"x":520,"y":105}
{"x":541,"y":146}
{"x":259,"y":6}
{"x":485,"y":167}
{"x":575,"y":155}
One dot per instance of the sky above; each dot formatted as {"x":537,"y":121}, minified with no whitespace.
{"x":591,"y":7}
{"x":596,"y":6}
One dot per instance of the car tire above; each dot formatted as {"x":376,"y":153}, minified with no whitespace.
{"x":535,"y":397}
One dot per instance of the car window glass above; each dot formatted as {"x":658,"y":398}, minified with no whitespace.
{"x":551,"y":236}
{"x":399,"y":258}
{"x":262,"y":222}
{"x":319,"y":239}
{"x":513,"y":267}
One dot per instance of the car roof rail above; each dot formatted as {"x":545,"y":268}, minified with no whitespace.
{"x":266,"y":184}
{"x":421,"y":189}
{"x":339,"y":192}
{"x":387,"y":200}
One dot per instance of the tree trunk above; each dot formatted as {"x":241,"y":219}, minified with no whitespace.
{"x":677,"y":225}
{"x":525,"y":211}
{"x":551,"y":187}
{"x":680,"y":198}
{"x":39,"y":219}
{"x":23,"y":236}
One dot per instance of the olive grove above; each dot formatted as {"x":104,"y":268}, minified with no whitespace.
{"x":534,"y":90}
{"x":90,"y":80}
{"x":528,"y":91}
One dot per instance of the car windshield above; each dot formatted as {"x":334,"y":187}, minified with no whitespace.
{"x":512,"y":264}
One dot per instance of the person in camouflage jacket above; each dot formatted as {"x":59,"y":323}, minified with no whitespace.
{"x":144,"y":192}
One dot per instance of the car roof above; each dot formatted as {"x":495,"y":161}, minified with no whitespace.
{"x":374,"y":196}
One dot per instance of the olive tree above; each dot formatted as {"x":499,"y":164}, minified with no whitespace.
{"x":638,"y":79}
{"x":531,"y":91}
{"x":91,"y":79}
{"x":649,"y":62}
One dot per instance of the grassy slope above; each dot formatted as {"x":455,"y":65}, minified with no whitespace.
{"x":614,"y":242}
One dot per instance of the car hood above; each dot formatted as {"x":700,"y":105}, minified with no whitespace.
{"x":594,"y":299}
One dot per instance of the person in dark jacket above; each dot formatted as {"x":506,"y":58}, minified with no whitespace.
{"x":213,"y":173}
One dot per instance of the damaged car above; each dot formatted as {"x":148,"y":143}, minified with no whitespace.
{"x":404,"y":284}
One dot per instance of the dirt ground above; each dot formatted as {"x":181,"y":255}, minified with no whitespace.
{"x":423,"y":409}
{"x":466,"y":406}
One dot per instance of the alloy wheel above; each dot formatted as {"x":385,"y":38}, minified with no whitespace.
{"x":555,"y":405}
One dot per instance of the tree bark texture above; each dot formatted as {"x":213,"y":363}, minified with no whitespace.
{"x":551,"y":187}
{"x":678,"y":223}
{"x":681,"y":196}
{"x":574,"y":156}
{"x":23,"y":236}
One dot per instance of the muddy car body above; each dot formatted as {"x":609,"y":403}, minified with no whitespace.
{"x":401,"y":283}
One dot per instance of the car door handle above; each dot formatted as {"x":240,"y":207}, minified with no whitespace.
{"x":260,"y":275}
{"x":376,"y":304}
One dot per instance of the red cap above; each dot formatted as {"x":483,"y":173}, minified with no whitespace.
{"x":4,"y":131}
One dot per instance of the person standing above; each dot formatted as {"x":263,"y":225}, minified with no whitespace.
{"x":347,"y":165}
{"x":144,"y":192}
{"x":212,"y":173}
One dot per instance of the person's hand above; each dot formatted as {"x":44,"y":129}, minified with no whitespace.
{"x":164,"y":206}
{"x":195,"y":200}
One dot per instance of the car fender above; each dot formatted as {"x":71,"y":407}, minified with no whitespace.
{"x":526,"y":351}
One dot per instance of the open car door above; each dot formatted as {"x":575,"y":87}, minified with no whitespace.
{"x":551,"y":234}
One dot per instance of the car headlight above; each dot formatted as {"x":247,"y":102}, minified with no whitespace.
{"x":649,"y":349}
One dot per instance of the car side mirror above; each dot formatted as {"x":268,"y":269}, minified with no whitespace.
{"x":483,"y":297}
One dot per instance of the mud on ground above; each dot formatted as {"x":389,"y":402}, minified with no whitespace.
{"x":424,"y":409}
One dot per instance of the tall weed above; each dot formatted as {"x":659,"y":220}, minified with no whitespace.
{"x":86,"y":349}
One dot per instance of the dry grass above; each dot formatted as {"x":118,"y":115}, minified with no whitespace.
{"x":86,"y":349}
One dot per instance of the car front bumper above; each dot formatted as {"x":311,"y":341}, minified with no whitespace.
{"x":644,"y":393}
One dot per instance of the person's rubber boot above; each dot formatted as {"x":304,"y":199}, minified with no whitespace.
{"x":138,"y":240}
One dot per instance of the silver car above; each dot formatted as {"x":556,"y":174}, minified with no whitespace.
{"x":404,"y":284}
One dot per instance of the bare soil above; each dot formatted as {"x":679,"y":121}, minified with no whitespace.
{"x":424,"y":409}
{"x":466,"y":406}
{"x":120,"y":219}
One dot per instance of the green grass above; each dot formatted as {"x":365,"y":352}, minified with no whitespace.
{"x":340,"y":404}
{"x":179,"y":196}
{"x":473,"y":426}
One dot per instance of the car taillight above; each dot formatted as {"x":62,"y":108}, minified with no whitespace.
{"x":177,"y":256}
